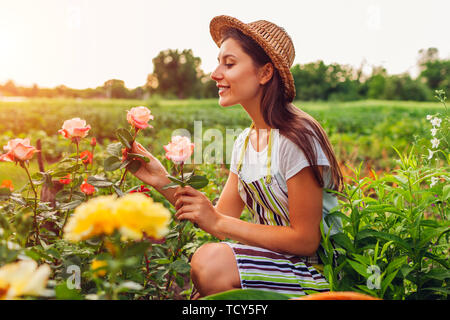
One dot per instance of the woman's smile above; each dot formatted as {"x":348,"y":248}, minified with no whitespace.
{"x":235,"y":71}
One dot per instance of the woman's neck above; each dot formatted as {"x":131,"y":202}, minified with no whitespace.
{"x":254,"y":111}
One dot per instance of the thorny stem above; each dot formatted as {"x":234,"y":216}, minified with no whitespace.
{"x":123,"y":177}
{"x":177,"y":253}
{"x":75,"y":140}
{"x":136,"y":130}
{"x":35,"y":201}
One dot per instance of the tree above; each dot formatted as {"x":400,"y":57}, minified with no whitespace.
{"x":177,"y":73}
{"x":376,"y":84}
{"x":434,"y":71}
{"x":318,"y":81}
{"x":116,"y":89}
{"x":10,"y":88}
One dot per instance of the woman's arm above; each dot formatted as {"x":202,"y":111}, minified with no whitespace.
{"x":302,"y":237}
{"x":230,"y":202}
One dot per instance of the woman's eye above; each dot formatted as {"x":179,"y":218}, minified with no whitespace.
{"x":228,"y":65}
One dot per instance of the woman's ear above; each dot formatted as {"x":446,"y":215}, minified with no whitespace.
{"x":266,"y":73}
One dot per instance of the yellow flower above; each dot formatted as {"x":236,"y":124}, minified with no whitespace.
{"x":96,"y":264}
{"x":23,"y":278}
{"x":137,"y":213}
{"x":92,"y":218}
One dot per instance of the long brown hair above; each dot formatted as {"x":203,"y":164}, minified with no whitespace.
{"x":293,"y":123}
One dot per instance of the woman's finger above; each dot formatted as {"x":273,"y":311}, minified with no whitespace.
{"x":183,"y":200}
{"x":187,"y":190}
{"x":184,"y":209}
{"x":186,"y":216}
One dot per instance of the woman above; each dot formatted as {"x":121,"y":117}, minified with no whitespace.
{"x":279,"y":169}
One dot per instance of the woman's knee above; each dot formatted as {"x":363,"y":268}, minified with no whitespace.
{"x":214,"y":268}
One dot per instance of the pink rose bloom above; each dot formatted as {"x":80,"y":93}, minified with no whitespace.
{"x":139,"y":117}
{"x":179,"y":149}
{"x":75,"y":128}
{"x":18,"y":150}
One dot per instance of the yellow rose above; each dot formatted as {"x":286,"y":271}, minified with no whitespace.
{"x":92,"y":218}
{"x":23,"y":278}
{"x":96,"y":264}
{"x":137,"y":213}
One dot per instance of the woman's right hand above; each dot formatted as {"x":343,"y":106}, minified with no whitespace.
{"x":153,"y":172}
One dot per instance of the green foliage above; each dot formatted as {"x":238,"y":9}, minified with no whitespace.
{"x":395,"y":238}
{"x":247,"y":294}
{"x":177,"y":73}
{"x":394,"y":243}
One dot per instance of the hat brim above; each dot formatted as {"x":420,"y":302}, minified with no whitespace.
{"x":221,"y":23}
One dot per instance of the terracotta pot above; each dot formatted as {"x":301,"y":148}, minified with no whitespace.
{"x":337,"y":295}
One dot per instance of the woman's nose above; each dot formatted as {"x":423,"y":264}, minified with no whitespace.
{"x":216,"y":74}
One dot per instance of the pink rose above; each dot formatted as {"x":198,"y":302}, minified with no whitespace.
{"x":139,"y":117}
{"x":18,"y":150}
{"x":75,"y":128}
{"x":179,"y":149}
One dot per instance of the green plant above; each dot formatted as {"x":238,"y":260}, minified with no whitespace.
{"x":395,"y":238}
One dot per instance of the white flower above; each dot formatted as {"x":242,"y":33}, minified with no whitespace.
{"x":433,"y":131}
{"x":23,"y":278}
{"x":430,"y":154}
{"x":436,"y":122}
{"x":429,"y":117}
{"x":435,"y":142}
{"x":434,"y":180}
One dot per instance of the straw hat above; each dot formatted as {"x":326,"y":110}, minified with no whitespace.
{"x":273,"y":39}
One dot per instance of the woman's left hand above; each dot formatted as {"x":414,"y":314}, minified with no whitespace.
{"x":194,"y":206}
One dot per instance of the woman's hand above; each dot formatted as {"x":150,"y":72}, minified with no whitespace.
{"x":153,"y":172}
{"x":194,"y":206}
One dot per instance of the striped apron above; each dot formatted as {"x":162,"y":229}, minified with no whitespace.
{"x":263,"y":269}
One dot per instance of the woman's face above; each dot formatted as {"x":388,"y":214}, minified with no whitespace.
{"x":236,"y":76}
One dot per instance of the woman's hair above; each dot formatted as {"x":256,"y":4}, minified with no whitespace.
{"x":293,"y":123}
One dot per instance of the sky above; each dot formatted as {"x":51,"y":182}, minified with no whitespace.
{"x":83,"y":43}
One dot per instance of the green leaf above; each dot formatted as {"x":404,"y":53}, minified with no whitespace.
{"x":197,"y":182}
{"x":118,"y":191}
{"x":247,"y":294}
{"x":344,"y":241}
{"x":385,"y":236}
{"x":181,"y":266}
{"x":5,"y":193}
{"x":171,"y":185}
{"x":386,"y":281}
{"x":396,"y":264}
{"x":443,"y":262}
{"x":137,"y":249}
{"x":173,"y":179}
{"x":124,"y":137}
{"x":99,"y":181}
{"x":71,"y":205}
{"x":62,"y":292}
{"x":437,"y":274}
{"x":112,"y":163}
{"x":162,"y":261}
{"x":115,"y":149}
{"x":361,"y":269}
{"x":129,"y":285}
{"x":446,"y":192}
{"x":134,"y":166}
{"x":139,"y":156}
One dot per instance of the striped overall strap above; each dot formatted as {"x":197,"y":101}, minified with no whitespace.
{"x":269,"y":154}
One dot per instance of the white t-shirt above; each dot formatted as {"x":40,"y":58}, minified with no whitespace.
{"x":287,"y":159}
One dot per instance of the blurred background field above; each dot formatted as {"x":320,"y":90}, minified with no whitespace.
{"x":363,"y":130}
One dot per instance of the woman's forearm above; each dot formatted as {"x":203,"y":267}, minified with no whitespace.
{"x":167,"y":193}
{"x":283,"y":239}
